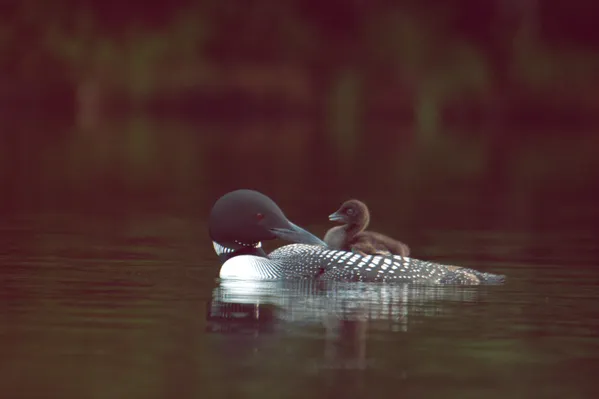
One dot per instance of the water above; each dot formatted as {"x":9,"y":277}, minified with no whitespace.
{"x":108,"y":279}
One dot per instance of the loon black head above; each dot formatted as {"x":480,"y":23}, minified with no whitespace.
{"x":352,"y":212}
{"x":244,"y":218}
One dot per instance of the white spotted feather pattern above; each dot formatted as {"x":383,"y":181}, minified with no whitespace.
{"x":308,"y":261}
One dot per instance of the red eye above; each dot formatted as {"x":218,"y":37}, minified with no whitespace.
{"x":259,"y":216}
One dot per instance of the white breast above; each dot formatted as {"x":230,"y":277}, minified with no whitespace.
{"x":249,"y":267}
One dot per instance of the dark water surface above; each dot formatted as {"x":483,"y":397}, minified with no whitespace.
{"x":108,"y":279}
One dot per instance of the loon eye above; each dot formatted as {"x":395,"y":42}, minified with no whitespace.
{"x":350,"y":211}
{"x":259,"y":216}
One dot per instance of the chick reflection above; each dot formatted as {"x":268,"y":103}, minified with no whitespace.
{"x":345,"y":341}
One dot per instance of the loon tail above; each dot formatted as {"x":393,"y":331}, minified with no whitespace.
{"x":490,"y":278}
{"x":464,"y":275}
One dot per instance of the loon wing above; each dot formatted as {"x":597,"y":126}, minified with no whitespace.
{"x":308,"y":261}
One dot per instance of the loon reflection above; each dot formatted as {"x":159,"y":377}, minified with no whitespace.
{"x":346,"y":311}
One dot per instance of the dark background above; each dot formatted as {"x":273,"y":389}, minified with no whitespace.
{"x":424,"y":62}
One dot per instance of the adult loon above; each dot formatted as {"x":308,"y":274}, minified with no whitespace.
{"x":240,"y":220}
{"x":352,"y":236}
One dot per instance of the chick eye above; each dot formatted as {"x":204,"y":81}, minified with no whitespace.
{"x":350,"y":211}
{"x":259,"y":216}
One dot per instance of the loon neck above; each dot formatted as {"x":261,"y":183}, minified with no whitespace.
{"x":226,"y":253}
{"x":352,"y":229}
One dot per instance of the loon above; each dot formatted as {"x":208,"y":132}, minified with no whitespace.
{"x":241,"y":220}
{"x":353,"y":237}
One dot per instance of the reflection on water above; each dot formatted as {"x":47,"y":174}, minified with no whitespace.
{"x":315,"y":302}
{"x":343,"y":310}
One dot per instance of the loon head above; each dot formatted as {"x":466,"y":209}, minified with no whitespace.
{"x":352,"y":212}
{"x":245,"y":218}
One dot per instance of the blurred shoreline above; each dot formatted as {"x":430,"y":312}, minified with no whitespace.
{"x":422,"y":64}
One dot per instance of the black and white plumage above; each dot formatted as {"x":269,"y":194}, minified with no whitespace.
{"x":302,"y":261}
{"x":242,"y":219}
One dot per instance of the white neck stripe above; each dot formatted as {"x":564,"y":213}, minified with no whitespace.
{"x":219,"y":249}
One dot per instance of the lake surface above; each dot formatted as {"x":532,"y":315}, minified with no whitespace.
{"x":108,"y":282}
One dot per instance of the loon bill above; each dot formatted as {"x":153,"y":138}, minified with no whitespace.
{"x":240,"y":220}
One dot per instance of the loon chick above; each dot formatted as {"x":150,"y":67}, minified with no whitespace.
{"x":353,"y":237}
{"x":240,"y":220}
